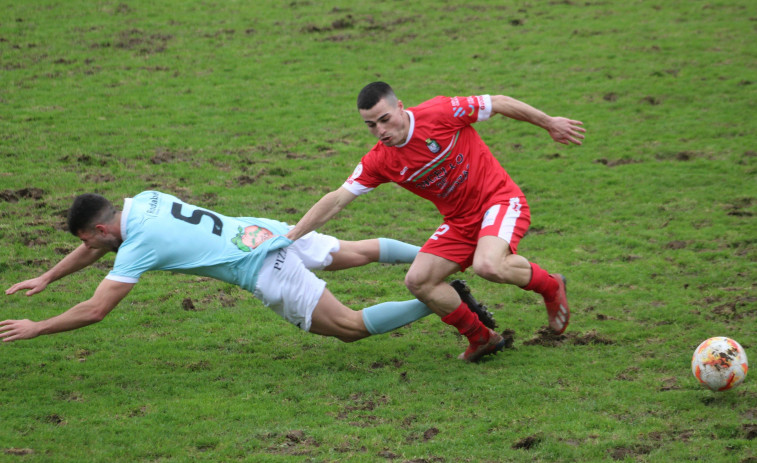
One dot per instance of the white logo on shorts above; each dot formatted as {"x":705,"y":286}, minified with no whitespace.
{"x":490,"y":216}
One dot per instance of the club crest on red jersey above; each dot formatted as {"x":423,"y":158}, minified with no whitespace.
{"x":433,"y":146}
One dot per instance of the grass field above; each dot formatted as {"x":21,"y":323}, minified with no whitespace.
{"x":249,"y":108}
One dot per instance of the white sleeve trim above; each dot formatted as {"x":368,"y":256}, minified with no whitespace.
{"x":355,"y":188}
{"x":485,"y":111}
{"x":121,"y":279}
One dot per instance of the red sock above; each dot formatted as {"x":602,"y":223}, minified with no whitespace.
{"x":468,"y":324}
{"x":542,"y":283}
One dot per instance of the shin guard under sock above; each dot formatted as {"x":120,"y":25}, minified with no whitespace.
{"x":396,"y":252}
{"x":388,"y":316}
{"x":542,"y":283}
{"x":468,"y":324}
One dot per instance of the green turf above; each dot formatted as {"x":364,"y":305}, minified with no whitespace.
{"x":249,"y":108}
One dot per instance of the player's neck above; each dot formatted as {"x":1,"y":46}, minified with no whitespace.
{"x":406,"y":127}
{"x":117,"y":224}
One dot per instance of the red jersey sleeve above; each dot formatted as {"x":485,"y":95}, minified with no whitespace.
{"x":368,"y":173}
{"x":355,"y":184}
{"x":463,"y":110}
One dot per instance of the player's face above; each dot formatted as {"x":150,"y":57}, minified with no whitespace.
{"x":387,"y":122}
{"x":99,"y":239}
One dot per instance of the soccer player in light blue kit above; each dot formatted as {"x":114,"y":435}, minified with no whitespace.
{"x":157,"y":231}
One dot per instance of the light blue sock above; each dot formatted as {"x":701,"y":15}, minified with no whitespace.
{"x":388,"y":316}
{"x":396,"y":252}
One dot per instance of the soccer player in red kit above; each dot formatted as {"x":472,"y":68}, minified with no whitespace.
{"x":433,"y":151}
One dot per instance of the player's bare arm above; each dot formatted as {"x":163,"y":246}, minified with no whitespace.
{"x":321,"y":212}
{"x":76,"y":260}
{"x":106,"y":297}
{"x":562,"y":130}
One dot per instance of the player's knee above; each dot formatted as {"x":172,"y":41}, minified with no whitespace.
{"x":489,"y":270}
{"x":416,"y":283}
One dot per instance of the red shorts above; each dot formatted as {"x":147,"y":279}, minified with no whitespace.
{"x":457,"y":240}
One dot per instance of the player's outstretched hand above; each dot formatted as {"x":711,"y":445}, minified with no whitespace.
{"x":566,"y":131}
{"x":13,"y":330}
{"x":35,"y":285}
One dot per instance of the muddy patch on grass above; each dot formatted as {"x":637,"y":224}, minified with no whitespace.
{"x":168,"y":156}
{"x":635,"y":452}
{"x":14,"y":196}
{"x":18,"y":451}
{"x":670,"y":384}
{"x":509,"y":337}
{"x":527,"y":443}
{"x":224,"y":299}
{"x":359,"y":403}
{"x":32,"y":239}
{"x":680,"y":156}
{"x":425,"y":436}
{"x":340,"y":29}
{"x":738,"y":207}
{"x":99,"y":178}
{"x":629,"y":374}
{"x":676,"y":244}
{"x":545,"y":336}
{"x":141,"y":42}
{"x":295,"y":442}
{"x":616,"y":162}
{"x":262,"y":173}
{"x":395,"y":362}
{"x":735,"y":307}
{"x":188,"y":305}
{"x":85,"y":162}
{"x":55,"y":419}
{"x":666,"y":436}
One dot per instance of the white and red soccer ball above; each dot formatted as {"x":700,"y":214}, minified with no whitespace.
{"x":719,"y":363}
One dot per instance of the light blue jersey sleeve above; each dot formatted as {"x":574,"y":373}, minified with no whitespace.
{"x":162,"y":232}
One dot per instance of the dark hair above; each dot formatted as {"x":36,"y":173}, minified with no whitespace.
{"x":87,"y":211}
{"x":372,"y":93}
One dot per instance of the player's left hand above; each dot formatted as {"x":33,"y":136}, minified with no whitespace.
{"x":13,"y":330}
{"x":566,"y":131}
{"x":35,"y":285}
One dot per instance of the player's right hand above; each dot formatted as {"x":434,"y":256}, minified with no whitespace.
{"x":13,"y":330}
{"x":35,"y":285}
{"x":566,"y":131}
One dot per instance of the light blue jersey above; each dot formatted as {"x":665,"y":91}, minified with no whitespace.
{"x":161,"y":232}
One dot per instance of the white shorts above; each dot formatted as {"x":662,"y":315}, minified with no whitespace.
{"x":286,"y":284}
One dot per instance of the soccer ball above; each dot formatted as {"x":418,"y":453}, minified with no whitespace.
{"x":719,"y":363}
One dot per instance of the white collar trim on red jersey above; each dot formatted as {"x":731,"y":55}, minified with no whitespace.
{"x":409,"y":130}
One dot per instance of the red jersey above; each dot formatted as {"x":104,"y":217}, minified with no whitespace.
{"x":443,"y":160}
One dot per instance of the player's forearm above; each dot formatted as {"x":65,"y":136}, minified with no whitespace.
{"x":321,"y":212}
{"x":78,"y":316}
{"x":76,"y":260}
{"x":107,"y":296}
{"x":518,"y":110}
